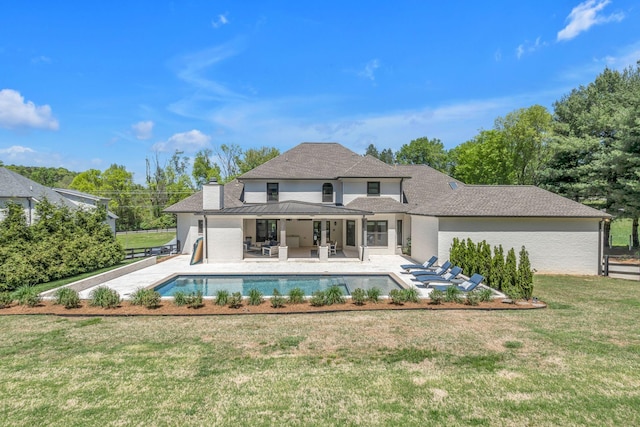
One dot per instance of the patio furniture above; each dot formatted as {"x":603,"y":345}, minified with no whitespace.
{"x":425,"y":266}
{"x":466,"y":286}
{"x":270,"y":250}
{"x":332,"y":249}
{"x":449,"y":276}
{"x":438,"y":272}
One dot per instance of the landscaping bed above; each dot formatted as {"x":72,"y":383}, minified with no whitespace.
{"x":167,"y":308}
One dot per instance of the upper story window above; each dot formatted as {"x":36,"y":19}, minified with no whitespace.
{"x":272,"y":191}
{"x":327,"y":193}
{"x":373,"y":188}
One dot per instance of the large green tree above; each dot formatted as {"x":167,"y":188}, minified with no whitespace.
{"x":423,"y":151}
{"x":254,"y":157}
{"x":526,"y":132}
{"x":483,"y":160}
{"x":204,"y":169}
{"x":594,"y":156}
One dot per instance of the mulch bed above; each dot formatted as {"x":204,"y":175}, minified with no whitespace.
{"x":168,"y":309}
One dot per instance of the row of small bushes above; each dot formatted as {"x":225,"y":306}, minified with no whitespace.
{"x":454,"y":295}
{"x":109,"y":298}
{"x":514,"y":278}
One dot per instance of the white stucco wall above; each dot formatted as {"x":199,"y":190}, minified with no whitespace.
{"x":300,"y":190}
{"x":224,"y":239}
{"x":187,"y":231}
{"x":555,"y":245}
{"x":424,"y":237}
{"x":20,"y":201}
{"x":353,"y":189}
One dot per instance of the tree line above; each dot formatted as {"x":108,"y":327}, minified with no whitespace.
{"x":586,"y":149}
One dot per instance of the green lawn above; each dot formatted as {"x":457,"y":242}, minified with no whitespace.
{"x":145,"y":240}
{"x":620,"y":231}
{"x":575,"y":363}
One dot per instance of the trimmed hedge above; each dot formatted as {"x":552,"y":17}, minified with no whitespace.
{"x":62,"y":243}
{"x":509,"y":275}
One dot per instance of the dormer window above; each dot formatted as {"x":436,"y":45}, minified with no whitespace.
{"x":272,"y":192}
{"x":327,"y":193}
{"x":373,"y":188}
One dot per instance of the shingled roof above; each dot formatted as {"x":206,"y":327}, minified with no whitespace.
{"x":505,"y":201}
{"x":232,"y":198}
{"x":378,"y":205}
{"x":321,"y":160}
{"x":14,"y":185}
{"x":426,"y":190}
{"x":426,"y":184}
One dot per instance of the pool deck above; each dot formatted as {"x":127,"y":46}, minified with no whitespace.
{"x":128,"y":283}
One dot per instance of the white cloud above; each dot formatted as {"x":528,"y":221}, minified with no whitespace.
{"x":586,"y":15}
{"x":498,"y":55}
{"x":41,"y":60}
{"x":369,"y":70}
{"x":16,"y":113}
{"x":143,"y":130}
{"x":528,"y":47}
{"x":194,"y":68}
{"x":190,"y":141}
{"x":15,"y":151}
{"x":220,"y":21}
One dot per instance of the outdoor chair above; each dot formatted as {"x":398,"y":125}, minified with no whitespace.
{"x":448,"y":277}
{"x":466,"y":286}
{"x":332,"y":249}
{"x":426,"y":266}
{"x":270,"y":250}
{"x":438,"y":272}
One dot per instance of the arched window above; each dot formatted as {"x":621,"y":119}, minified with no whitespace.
{"x":327,"y":192}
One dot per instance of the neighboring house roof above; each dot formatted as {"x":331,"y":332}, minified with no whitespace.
{"x":505,"y":201}
{"x":80,"y":194}
{"x":290,"y":208}
{"x":378,"y":205}
{"x":14,"y":185}
{"x":321,"y":160}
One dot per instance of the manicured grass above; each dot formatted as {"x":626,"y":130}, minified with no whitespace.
{"x":620,"y":231}
{"x":43,"y":287}
{"x":145,"y":240}
{"x":575,"y":363}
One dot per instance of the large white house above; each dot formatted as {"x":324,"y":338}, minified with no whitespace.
{"x":18,"y":189}
{"x":318,"y":199}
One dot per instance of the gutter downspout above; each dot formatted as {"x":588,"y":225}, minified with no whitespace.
{"x":206,"y":238}
{"x":600,"y":246}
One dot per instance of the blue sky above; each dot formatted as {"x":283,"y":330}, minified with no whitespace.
{"x":87,"y":84}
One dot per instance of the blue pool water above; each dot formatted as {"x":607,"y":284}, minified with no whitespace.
{"x":309,"y":283}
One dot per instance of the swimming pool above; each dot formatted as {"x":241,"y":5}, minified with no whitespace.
{"x":266,"y":283}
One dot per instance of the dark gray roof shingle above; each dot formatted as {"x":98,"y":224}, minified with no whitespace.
{"x":14,"y":185}
{"x":321,"y":160}
{"x":232,"y":198}
{"x":505,"y":201}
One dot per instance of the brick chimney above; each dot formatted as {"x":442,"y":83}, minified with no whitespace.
{"x":212,"y":196}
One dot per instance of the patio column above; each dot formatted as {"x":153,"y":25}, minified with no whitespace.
{"x":323,"y":250}
{"x":283,"y":252}
{"x":364,"y":250}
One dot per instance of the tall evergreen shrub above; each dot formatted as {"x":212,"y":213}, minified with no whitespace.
{"x":496,"y":276}
{"x":525,"y":275}
{"x":509,"y":285}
